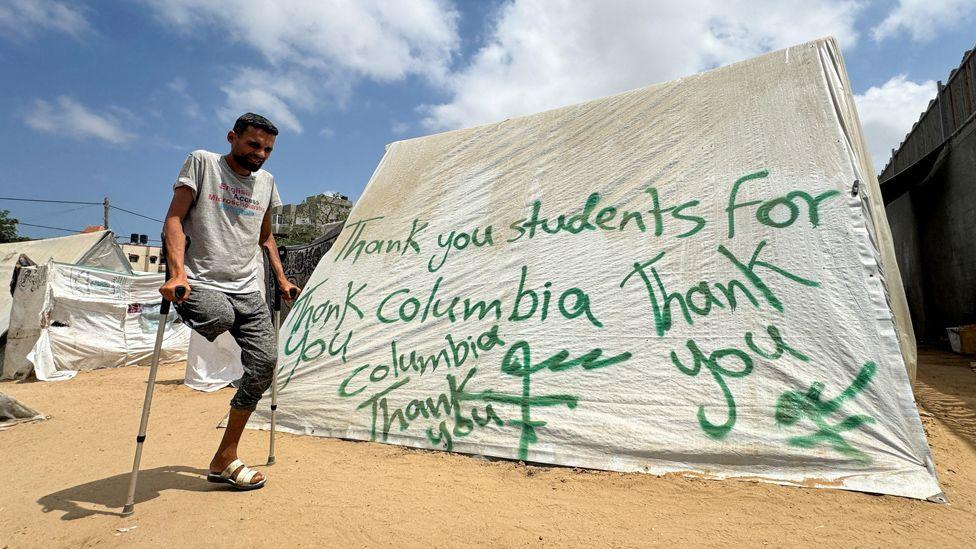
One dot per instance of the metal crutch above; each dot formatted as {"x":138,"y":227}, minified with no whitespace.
{"x":129,"y":507}
{"x":274,"y":375}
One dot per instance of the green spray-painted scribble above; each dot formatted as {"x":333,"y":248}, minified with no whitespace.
{"x":700,"y":299}
{"x":712,"y":363}
{"x":521,"y":366}
{"x":314,"y":314}
{"x":448,"y":407}
{"x":518,"y":362}
{"x":791,"y":202}
{"x":793,"y":406}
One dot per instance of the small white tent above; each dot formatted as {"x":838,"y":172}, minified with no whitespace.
{"x":95,"y":249}
{"x":67,"y":318}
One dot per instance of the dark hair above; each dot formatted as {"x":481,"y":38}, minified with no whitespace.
{"x":251,"y":120}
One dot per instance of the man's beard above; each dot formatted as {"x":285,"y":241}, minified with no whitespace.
{"x":247,"y":163}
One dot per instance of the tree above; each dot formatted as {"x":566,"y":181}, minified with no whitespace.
{"x":299,"y":234}
{"x":8,"y":228}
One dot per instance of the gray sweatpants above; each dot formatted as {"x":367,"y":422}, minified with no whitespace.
{"x":247,"y":318}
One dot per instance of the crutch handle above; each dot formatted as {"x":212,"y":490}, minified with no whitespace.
{"x":179,"y":293}
{"x":292,"y":294}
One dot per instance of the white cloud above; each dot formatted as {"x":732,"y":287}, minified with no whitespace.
{"x":65,"y":116}
{"x":546,"y":53}
{"x":191,"y":108}
{"x":327,"y":132}
{"x":269,"y":93}
{"x":923,"y":19}
{"x":21,"y":19}
{"x":316,"y":50}
{"x":399,"y":128}
{"x":888,"y":112}
{"x":178,"y":85}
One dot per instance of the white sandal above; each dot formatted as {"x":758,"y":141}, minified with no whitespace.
{"x":241,"y":481}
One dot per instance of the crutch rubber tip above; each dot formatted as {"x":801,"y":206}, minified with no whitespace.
{"x":128,"y":509}
{"x":271,"y":460}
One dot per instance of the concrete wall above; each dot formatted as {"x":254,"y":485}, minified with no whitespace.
{"x":143,"y":258}
{"x":904,"y":233}
{"x":934,"y":229}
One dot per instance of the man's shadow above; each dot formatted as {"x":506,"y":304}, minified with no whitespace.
{"x":107,"y":496}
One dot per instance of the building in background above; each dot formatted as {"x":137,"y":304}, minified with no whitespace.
{"x":142,"y":256}
{"x":929,"y":190}
{"x":314,"y":212}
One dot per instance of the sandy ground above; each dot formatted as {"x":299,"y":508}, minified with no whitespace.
{"x":66,"y":478}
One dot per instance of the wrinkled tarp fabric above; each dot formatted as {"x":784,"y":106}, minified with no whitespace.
{"x":97,"y":249}
{"x":693,"y":277}
{"x":68,"y":318}
{"x":211,"y":366}
{"x":13,"y":412}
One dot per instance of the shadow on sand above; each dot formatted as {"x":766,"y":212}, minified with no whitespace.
{"x":167,"y":382}
{"x":107,"y":496}
{"x":946,"y":388}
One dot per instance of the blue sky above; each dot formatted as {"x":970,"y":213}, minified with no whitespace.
{"x":106,"y":98}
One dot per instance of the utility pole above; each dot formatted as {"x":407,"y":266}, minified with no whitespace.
{"x":105,"y":213}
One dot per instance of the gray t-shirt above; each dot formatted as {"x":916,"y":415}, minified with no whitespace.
{"x":224,"y":224}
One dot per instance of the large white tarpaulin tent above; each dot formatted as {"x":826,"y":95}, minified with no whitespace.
{"x":67,"y":318}
{"x":693,"y":277}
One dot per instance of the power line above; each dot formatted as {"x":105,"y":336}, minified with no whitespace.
{"x":83,"y":203}
{"x":60,"y":212}
{"x":70,"y":230}
{"x":46,"y":227}
{"x":136,"y":214}
{"x":50,"y":201}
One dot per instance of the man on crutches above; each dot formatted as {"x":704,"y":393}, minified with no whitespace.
{"x":223,"y":205}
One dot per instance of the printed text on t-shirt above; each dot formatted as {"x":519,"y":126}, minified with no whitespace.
{"x":240,"y":201}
